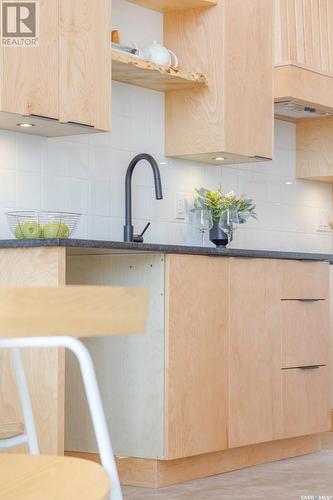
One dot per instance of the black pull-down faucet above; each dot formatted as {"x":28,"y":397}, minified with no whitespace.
{"x":128,"y":228}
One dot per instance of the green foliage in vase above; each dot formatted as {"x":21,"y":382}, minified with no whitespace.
{"x":218,"y":201}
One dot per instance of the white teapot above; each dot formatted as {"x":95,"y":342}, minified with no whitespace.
{"x":159,"y":54}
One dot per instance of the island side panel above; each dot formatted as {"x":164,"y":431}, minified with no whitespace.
{"x":44,"y":367}
{"x":130,"y":369}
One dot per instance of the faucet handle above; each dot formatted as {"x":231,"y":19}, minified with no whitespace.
{"x":138,"y":238}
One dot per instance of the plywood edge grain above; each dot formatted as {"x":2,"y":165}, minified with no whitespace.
{"x":136,"y":71}
{"x":153,"y":473}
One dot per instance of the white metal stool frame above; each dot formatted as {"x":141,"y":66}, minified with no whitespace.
{"x":92,"y":393}
{"x":30,"y":435}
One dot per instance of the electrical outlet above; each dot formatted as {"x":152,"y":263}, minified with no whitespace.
{"x":180,"y":207}
{"x":324,"y":224}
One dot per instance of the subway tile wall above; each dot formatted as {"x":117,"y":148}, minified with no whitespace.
{"x":86,"y":173}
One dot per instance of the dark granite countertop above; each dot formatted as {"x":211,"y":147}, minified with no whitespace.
{"x":152,"y":247}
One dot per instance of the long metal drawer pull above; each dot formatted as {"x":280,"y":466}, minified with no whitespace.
{"x":42,"y":117}
{"x":303,"y":300}
{"x":81,"y":124}
{"x":310,"y":300}
{"x":311,"y":367}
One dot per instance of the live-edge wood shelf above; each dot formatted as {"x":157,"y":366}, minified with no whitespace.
{"x":171,"y":5}
{"x":135,"y":71}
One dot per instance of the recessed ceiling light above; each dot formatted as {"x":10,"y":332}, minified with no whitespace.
{"x":288,"y":183}
{"x":163,"y":163}
{"x":25,"y":125}
{"x":219,"y":158}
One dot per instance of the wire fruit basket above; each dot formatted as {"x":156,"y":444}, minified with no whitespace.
{"x":27,"y":225}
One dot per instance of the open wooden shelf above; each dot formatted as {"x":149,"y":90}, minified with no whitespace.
{"x":172,"y":5}
{"x":135,"y":71}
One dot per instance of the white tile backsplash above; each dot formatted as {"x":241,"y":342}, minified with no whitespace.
{"x":87,"y":173}
{"x":88,"y":177}
{"x":8,"y":150}
{"x":29,"y":153}
{"x":8,"y":188}
{"x":28,"y":190}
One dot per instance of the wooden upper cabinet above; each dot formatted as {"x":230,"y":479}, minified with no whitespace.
{"x":66,"y":79}
{"x":303,"y":81}
{"x":232,"y":118}
{"x":314,"y":149}
{"x":85,"y":62}
{"x":303,"y":57}
{"x":30,"y":84}
{"x":196,"y":381}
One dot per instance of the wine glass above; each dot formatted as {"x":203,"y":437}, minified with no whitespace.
{"x":229,"y":221}
{"x":203,"y":221}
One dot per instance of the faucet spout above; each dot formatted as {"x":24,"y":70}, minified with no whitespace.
{"x":128,"y":228}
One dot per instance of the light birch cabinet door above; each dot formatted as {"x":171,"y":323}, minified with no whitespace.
{"x":196,"y":386}
{"x":85,"y":62}
{"x":306,"y":401}
{"x":305,"y":333}
{"x":255,"y":392}
{"x":30,"y":75}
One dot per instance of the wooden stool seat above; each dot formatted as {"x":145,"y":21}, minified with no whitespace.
{"x":11,"y":430}
{"x":26,"y":477}
{"x":50,"y":317}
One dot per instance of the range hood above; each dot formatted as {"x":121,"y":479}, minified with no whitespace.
{"x":292,"y":111}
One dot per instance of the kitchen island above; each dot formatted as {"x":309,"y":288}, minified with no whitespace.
{"x":233,"y":369}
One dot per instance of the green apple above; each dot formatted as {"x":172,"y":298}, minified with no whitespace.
{"x":19,"y":233}
{"x":55,"y":230}
{"x":28,"y":230}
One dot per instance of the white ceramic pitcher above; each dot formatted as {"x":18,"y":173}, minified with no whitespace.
{"x":159,"y":54}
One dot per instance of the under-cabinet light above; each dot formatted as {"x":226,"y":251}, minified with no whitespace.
{"x":219,"y":158}
{"x":25,"y":125}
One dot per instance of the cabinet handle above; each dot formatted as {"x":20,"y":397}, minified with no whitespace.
{"x":258,"y":157}
{"x":41,"y":117}
{"x":81,"y":124}
{"x":309,"y":300}
{"x":311,"y":367}
{"x":303,"y":300}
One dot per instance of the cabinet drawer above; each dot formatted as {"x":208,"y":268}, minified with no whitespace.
{"x":304,"y":280}
{"x":305,"y":333}
{"x":306,"y":401}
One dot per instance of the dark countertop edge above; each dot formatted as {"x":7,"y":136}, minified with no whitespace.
{"x":153,"y":247}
